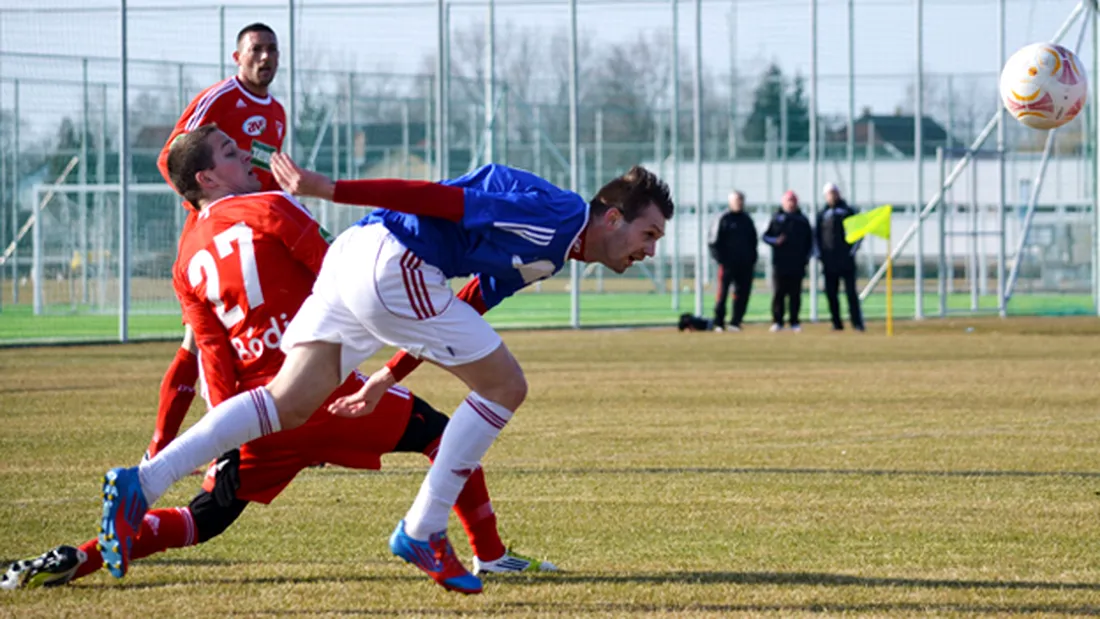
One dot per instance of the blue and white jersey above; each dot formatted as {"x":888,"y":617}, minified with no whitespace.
{"x":516,"y":229}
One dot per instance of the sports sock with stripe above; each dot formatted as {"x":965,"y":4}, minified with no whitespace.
{"x":234,"y":422}
{"x":474,"y":426}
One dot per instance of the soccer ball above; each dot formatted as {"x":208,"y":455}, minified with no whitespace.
{"x":1044,"y":86}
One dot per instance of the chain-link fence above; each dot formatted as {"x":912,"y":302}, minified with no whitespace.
{"x":359,"y":82}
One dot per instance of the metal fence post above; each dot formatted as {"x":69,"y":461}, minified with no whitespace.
{"x":123,"y":184}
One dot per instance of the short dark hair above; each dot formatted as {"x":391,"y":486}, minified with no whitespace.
{"x":256,"y":27}
{"x":631,"y":193}
{"x":188,"y":155}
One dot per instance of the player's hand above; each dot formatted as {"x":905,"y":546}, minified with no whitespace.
{"x":293,"y":179}
{"x":362,"y":402}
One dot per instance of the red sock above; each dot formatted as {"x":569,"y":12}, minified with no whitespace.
{"x":475,"y":512}
{"x":160,"y":530}
{"x":177,"y":390}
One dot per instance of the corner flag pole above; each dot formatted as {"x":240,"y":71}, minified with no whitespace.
{"x":889,"y":290}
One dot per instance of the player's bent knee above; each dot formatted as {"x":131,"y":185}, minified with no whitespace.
{"x":497,"y":378}
{"x":509,"y":392}
{"x":212,"y":519}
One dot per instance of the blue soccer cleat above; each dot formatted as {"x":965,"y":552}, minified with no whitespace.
{"x":436,"y":558}
{"x":124,"y":507}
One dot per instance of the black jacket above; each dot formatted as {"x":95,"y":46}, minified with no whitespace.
{"x":789,"y":257}
{"x":733,"y":240}
{"x":835,"y":252}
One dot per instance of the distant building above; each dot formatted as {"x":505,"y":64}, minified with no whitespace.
{"x":893,"y":136}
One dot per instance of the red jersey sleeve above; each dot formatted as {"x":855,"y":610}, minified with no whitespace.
{"x":402,"y":363}
{"x":218,"y":369}
{"x":412,"y":197}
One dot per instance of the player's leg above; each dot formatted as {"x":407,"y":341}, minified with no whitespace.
{"x":161,"y":529}
{"x":473,"y":506}
{"x":324,"y":343}
{"x":177,"y":390}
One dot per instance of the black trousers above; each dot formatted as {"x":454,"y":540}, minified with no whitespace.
{"x":832,"y":289}
{"x":786,"y":288}
{"x":740,"y":277}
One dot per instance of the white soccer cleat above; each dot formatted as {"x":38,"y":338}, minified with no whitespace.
{"x":53,"y":568}
{"x":776,"y":328}
{"x":512,"y":562}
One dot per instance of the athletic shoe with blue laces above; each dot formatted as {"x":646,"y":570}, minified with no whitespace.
{"x":436,"y":558}
{"x":123,"y":508}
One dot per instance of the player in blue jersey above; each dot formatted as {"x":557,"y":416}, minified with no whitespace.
{"x":385,"y":282}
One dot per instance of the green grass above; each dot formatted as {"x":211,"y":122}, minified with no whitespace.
{"x":528,"y":310}
{"x":937,"y":473}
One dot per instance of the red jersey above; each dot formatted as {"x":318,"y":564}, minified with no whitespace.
{"x":257,"y":124}
{"x":244,"y":268}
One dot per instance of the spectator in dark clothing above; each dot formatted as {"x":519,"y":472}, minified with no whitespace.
{"x":838,"y":258}
{"x":792,"y":242}
{"x":733,"y":246}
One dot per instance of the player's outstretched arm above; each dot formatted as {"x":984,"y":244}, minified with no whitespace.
{"x":412,"y":197}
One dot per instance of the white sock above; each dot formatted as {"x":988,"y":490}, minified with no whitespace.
{"x":471,"y":431}
{"x":234,"y":422}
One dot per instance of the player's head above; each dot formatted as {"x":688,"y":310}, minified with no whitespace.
{"x":626,"y":218}
{"x":206,"y":164}
{"x":831,"y":193}
{"x":737,"y":201}
{"x":257,"y":56}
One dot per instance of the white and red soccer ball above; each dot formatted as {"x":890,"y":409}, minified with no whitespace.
{"x":1044,"y":86}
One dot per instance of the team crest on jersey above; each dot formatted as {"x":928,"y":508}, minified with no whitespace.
{"x":254,"y":126}
{"x":279,"y":128}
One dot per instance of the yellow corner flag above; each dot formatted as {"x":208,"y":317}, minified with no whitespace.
{"x":876,"y":222}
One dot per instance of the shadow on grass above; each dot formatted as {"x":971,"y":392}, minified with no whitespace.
{"x":806,"y":578}
{"x":818,"y":579}
{"x":556,"y":608}
{"x":702,"y":470}
{"x":659,"y":578}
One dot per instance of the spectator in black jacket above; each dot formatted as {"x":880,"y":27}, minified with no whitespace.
{"x":838,"y":258}
{"x":733,"y":246}
{"x":792,"y":242}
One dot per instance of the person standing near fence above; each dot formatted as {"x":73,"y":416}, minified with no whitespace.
{"x":838,"y":257}
{"x":244,"y":109}
{"x":733,"y":246}
{"x":791,"y":238}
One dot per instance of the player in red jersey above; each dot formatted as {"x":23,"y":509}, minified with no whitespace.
{"x":244,"y":109}
{"x":260,"y":470}
{"x":244,"y":268}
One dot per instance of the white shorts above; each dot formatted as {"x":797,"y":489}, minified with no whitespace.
{"x":372,"y":291}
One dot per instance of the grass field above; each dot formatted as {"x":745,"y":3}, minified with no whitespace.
{"x":951,"y":470}
{"x":18,"y":324}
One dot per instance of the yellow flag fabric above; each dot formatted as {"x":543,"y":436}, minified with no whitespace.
{"x":875,"y":221}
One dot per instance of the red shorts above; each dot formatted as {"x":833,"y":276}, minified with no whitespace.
{"x":270,"y":463}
